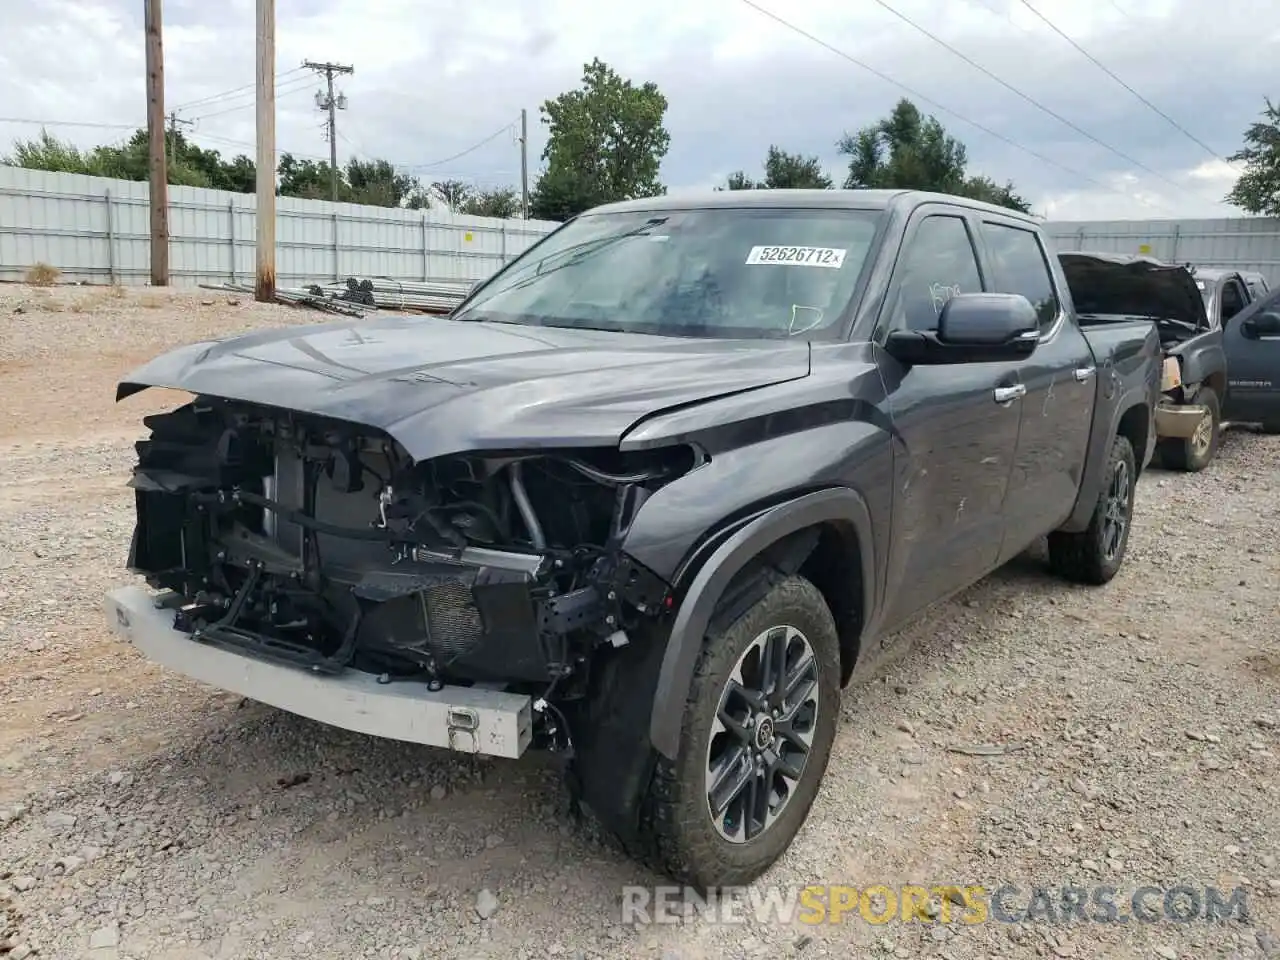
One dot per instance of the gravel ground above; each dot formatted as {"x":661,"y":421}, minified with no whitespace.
{"x":143,"y":816}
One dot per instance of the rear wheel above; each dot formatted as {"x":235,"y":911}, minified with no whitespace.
{"x":1094,"y":555}
{"x":758,"y":727}
{"x":1197,"y":451}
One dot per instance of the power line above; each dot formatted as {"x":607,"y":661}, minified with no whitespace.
{"x":915,"y":94}
{"x":1027,"y":97}
{"x":70,"y":123}
{"x":298,"y":83}
{"x":228,"y":141}
{"x":491,"y":176}
{"x":1101,"y":66}
{"x":235,"y":92}
{"x":1002,"y":14}
{"x":471,"y":149}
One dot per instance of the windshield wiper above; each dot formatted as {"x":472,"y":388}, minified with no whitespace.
{"x":581,"y":251}
{"x":577,"y":253}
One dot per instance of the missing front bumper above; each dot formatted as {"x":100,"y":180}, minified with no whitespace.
{"x":476,"y":720}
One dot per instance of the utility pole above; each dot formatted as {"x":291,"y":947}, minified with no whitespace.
{"x":332,"y":104}
{"x":174,"y":120}
{"x":524,"y":164}
{"x":265,"y":284}
{"x":158,"y":167}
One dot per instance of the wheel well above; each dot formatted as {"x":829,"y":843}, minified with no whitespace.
{"x":828,"y":556}
{"x":835,"y":568}
{"x":1217,"y":382}
{"x":1134,"y":426}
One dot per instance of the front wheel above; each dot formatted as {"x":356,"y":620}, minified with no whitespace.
{"x":1094,"y":555}
{"x":758,"y":727}
{"x":1197,"y":451}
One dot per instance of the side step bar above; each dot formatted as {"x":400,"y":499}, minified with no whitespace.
{"x":474,"y":720}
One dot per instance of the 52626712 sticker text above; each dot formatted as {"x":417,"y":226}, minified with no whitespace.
{"x":830,"y":257}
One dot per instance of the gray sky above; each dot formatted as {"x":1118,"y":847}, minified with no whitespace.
{"x":435,"y":77}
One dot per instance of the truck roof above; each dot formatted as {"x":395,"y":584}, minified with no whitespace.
{"x":828,"y":199}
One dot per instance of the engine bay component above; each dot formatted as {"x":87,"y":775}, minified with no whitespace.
{"x":315,"y":543}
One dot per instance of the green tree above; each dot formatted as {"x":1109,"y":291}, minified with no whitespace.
{"x":455,"y":192}
{"x":189,"y":165}
{"x":305,"y":179}
{"x":784,"y":171}
{"x":373,"y":182}
{"x":606,"y":142}
{"x":502,"y":202}
{"x":376,"y":183}
{"x":1258,"y":189}
{"x":907,"y":150}
{"x":47,"y":152}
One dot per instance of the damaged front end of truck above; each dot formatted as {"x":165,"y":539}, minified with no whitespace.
{"x":307,"y":542}
{"x":1110,"y":288}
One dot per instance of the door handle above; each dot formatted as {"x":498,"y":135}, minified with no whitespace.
{"x":1009,"y":394}
{"x":1084,"y":373}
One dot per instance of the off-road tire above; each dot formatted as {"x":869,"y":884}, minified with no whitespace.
{"x":677,"y":837}
{"x":1082,"y":557}
{"x":1176,"y":454}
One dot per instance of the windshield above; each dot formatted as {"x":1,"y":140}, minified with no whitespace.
{"x":750,"y":273}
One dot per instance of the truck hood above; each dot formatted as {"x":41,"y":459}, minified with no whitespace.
{"x":1123,"y":285}
{"x":440,"y":386}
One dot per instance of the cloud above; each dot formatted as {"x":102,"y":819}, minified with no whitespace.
{"x":436,"y":77}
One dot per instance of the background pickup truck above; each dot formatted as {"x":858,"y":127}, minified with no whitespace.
{"x":651,"y":496}
{"x":1112,"y":288}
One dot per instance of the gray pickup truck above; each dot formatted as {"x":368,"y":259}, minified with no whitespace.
{"x":651,"y":496}
{"x":1242,"y":305}
{"x":1110,"y":288}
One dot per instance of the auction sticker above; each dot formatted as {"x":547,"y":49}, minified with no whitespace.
{"x":798,"y":256}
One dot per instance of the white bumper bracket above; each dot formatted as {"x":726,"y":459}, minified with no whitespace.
{"x":476,"y":720}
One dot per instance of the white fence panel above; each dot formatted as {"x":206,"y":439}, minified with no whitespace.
{"x":97,"y":230}
{"x":1244,"y":243}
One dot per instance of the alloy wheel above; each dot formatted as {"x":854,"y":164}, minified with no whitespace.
{"x":1116,"y":510}
{"x":1203,"y":437}
{"x":762,"y":734}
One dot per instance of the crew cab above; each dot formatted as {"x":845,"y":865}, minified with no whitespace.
{"x":1110,"y":288}
{"x":652,"y":495}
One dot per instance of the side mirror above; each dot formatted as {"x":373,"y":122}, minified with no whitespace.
{"x":972,"y":328}
{"x":1265,"y":324}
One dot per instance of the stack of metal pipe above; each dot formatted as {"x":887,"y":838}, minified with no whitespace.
{"x":427,"y":296}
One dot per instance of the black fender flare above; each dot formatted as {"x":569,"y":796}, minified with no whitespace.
{"x":693,"y":618}
{"x":1093,"y":478}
